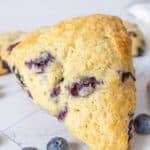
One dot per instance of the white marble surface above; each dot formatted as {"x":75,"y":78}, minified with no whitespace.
{"x":6,"y":143}
{"x":21,"y":122}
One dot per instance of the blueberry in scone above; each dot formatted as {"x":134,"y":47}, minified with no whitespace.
{"x":80,"y":70}
{"x":83,"y":87}
{"x":11,"y":46}
{"x":8,"y":40}
{"x":39,"y":64}
{"x":137,"y":37}
{"x":3,"y":67}
{"x":20,"y":80}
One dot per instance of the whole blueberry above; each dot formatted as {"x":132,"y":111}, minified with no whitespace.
{"x":57,"y":143}
{"x":142,"y":124}
{"x":29,"y":148}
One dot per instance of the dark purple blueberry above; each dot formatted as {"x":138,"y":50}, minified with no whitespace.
{"x":130,"y":134}
{"x":132,"y":33}
{"x":62,"y":114}
{"x":12,"y":46}
{"x":29,"y":94}
{"x":83,"y":87}
{"x":140,"y":51}
{"x":5,"y":65}
{"x":29,"y":148}
{"x":56,"y":91}
{"x":142,"y":124}
{"x":39,"y":64}
{"x":57,"y":143}
{"x":126,"y":75}
{"x":20,"y":79}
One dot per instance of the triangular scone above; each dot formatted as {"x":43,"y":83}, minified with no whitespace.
{"x":8,"y":40}
{"x":80,"y":70}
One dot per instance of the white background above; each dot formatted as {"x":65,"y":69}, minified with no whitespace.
{"x":21,"y":122}
{"x":28,"y":14}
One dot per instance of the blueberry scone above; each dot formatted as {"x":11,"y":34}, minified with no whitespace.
{"x":80,"y":70}
{"x":137,"y":37}
{"x":8,"y":41}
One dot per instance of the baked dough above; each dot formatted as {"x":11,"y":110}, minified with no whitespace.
{"x":80,"y":70}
